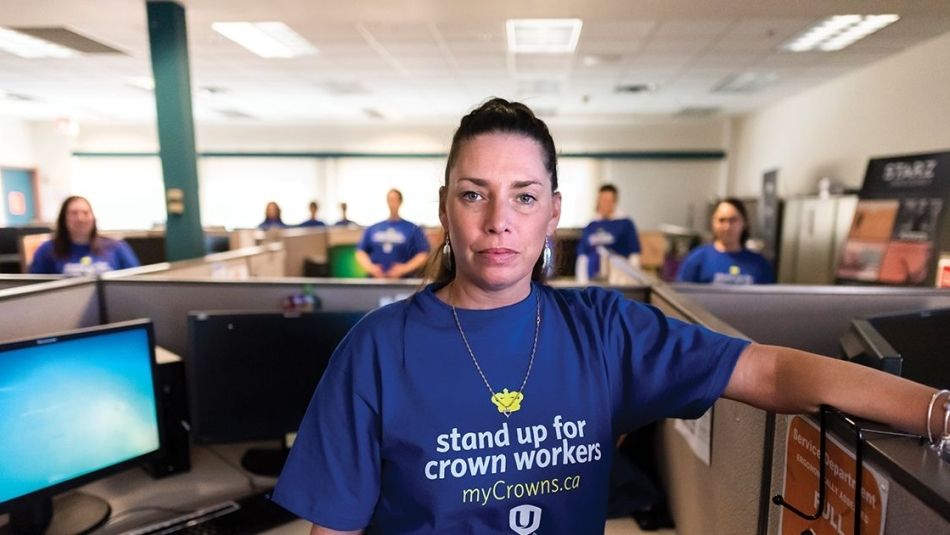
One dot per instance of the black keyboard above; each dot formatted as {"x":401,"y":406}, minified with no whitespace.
{"x":251,"y":514}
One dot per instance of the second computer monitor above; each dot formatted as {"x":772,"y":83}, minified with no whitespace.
{"x":251,"y":375}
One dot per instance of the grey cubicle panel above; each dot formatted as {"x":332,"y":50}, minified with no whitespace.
{"x":15,"y":281}
{"x":726,"y":496}
{"x":168,"y":301}
{"x":48,"y":307}
{"x":812,"y":318}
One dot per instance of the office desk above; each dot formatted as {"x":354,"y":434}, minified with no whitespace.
{"x":137,"y":499}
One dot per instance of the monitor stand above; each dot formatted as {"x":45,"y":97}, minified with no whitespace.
{"x":70,"y":514}
{"x":266,"y":461}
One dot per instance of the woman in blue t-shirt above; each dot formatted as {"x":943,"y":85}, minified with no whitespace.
{"x":488,"y":402}
{"x":77,"y":248}
{"x":726,"y":260}
{"x":272,"y":217}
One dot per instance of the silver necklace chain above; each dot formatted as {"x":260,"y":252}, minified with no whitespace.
{"x":534,"y":346}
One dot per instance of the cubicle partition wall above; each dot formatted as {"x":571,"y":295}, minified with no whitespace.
{"x":302,"y":245}
{"x":48,"y":307}
{"x":168,"y":301}
{"x":15,"y":281}
{"x":725,"y":496}
{"x":264,"y":261}
{"x":813,"y":318}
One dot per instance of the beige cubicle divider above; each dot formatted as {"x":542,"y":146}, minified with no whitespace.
{"x":301,"y":245}
{"x":726,"y":495}
{"x":264,"y":261}
{"x":48,"y":307}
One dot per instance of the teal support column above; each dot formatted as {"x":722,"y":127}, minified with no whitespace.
{"x":176,"y":130}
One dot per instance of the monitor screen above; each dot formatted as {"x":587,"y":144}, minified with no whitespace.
{"x":923,"y":341}
{"x":251,"y":375}
{"x":913,"y":345}
{"x":75,"y":406}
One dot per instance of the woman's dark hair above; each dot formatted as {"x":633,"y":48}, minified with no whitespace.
{"x":497,"y":115}
{"x":62,"y":241}
{"x":740,"y":207}
{"x":276,"y":208}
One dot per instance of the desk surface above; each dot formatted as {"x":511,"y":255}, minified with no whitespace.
{"x":215,"y":476}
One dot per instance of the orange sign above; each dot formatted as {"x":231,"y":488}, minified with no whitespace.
{"x":943,"y":272}
{"x":801,"y":486}
{"x":16,"y":203}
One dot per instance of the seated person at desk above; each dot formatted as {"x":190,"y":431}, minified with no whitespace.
{"x":313,"y":221}
{"x":77,"y":249}
{"x":726,"y":260}
{"x":611,"y":233}
{"x":272,"y":217}
{"x":393,"y":248}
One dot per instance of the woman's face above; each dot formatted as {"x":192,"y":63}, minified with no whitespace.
{"x":727,"y":224}
{"x":498,"y":209}
{"x":79,"y":220}
{"x":271,"y":212}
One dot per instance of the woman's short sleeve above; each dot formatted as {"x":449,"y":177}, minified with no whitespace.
{"x":659,"y":366}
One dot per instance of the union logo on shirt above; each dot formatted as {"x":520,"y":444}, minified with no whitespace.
{"x":601,"y":237}
{"x":388,"y":238}
{"x":524,"y":519}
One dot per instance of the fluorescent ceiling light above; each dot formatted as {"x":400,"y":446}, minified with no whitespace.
{"x":27,"y":46}
{"x":747,"y":82}
{"x":543,"y":36}
{"x":266,"y":39}
{"x":839,"y":31}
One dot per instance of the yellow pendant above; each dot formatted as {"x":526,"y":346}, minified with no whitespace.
{"x":507,"y":402}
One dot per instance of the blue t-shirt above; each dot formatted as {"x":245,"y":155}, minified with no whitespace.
{"x":615,"y":235}
{"x":112,"y":254}
{"x":388,"y":242}
{"x":271,"y":223}
{"x":312,"y":223}
{"x":706,"y":264}
{"x":401,"y":436}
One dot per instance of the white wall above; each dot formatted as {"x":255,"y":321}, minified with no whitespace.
{"x":898,"y":105}
{"x":16,"y":148}
{"x":234,"y":190}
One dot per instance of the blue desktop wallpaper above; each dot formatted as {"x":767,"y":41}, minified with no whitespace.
{"x":72,"y":407}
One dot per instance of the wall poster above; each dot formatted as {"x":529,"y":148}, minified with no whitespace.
{"x":895,"y":234}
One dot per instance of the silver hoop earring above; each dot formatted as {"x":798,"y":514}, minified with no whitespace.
{"x":447,"y":254}
{"x":546,"y":258}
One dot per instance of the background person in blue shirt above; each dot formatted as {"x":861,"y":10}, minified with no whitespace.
{"x":272,"y":217}
{"x":313,"y":221}
{"x":489,"y":402}
{"x":612,"y":233}
{"x":393,"y":248}
{"x":77,"y":249}
{"x":726,"y":260}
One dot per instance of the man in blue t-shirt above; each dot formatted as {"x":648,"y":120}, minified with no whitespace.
{"x":313,"y":221}
{"x":393,"y":248}
{"x":610,"y":234}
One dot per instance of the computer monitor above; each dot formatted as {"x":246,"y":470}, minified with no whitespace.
{"x":74,"y":407}
{"x":914,"y":345}
{"x":251,"y":375}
